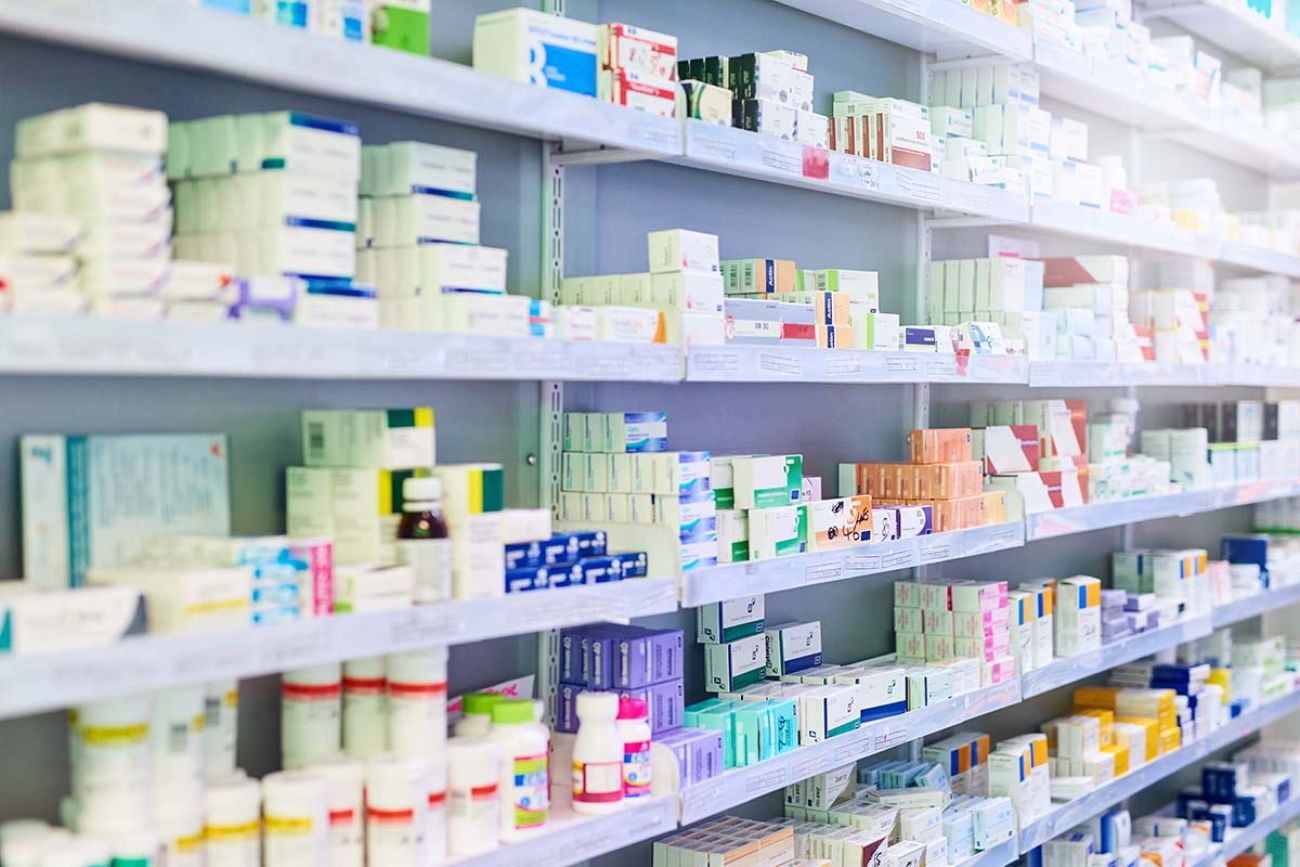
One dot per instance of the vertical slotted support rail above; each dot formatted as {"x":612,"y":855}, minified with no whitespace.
{"x":921,"y":390}
{"x":550,"y":396}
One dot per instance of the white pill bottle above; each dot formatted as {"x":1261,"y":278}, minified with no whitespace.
{"x":597,"y":755}
{"x":523,"y":783}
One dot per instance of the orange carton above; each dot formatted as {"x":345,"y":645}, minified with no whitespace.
{"x":995,"y":507}
{"x":939,"y":445}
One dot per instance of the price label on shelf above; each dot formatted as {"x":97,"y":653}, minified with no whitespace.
{"x":719,"y":361}
{"x":862,"y":563}
{"x":843,"y":364}
{"x":935,"y":553}
{"x":767,"y":781}
{"x":784,"y":161}
{"x":773,"y":363}
{"x":823,"y":572}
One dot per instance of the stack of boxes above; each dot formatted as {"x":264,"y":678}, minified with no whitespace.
{"x":885,"y":129}
{"x":37,"y":268}
{"x":1155,"y":710}
{"x":1019,"y":771}
{"x":1090,"y":298}
{"x":938,"y":490}
{"x":1003,"y":292}
{"x":638,"y":68}
{"x":770,"y":302}
{"x":963,"y":620}
{"x":1051,"y":476}
{"x":768,"y":490}
{"x":100,"y":166}
{"x":730,"y":839}
{"x":417,"y":243}
{"x":632,"y":660}
{"x":680,"y":300}
{"x":965,"y":755}
{"x":1078,"y":615}
{"x":276,"y":195}
{"x":989,"y":129}
{"x":1200,"y":704}
{"x":1178,"y":320}
{"x":1178,"y":580}
{"x":616,"y":468}
{"x":771,"y":93}
{"x":617,"y":63}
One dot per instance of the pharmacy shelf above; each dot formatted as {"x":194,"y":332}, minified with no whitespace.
{"x":1238,"y":840}
{"x":31,"y":684}
{"x":1255,"y":605}
{"x":1001,"y":855}
{"x":210,"y":40}
{"x":572,"y":839}
{"x":739,"y":785}
{"x":1065,"y":816}
{"x":740,"y":363}
{"x":1100,"y":224}
{"x":1234,"y":28}
{"x":1110,"y":90}
{"x":96,"y":347}
{"x":1111,"y":374}
{"x":945,"y":28}
{"x":1068,"y":669}
{"x":767,"y":158}
{"x":734,"y":580}
{"x":1116,"y":513}
{"x":1250,"y":256}
{"x":1262,"y":376}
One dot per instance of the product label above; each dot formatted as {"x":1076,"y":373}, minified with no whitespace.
{"x":394,"y":836}
{"x":597,"y":782}
{"x":531,"y":791}
{"x":636,"y":769}
{"x":430,"y":562}
{"x":476,"y":804}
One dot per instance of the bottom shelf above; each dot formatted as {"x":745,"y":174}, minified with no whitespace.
{"x":571,"y":838}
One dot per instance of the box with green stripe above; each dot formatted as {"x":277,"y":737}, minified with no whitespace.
{"x":721,"y":622}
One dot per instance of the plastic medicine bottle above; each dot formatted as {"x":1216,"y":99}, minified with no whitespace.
{"x":523,"y":785}
{"x":476,"y":710}
{"x":473,"y":826}
{"x":634,"y":730}
{"x":423,"y":542}
{"x":311,"y":713}
{"x":365,"y":707}
{"x":397,"y":811}
{"x":597,"y":755}
{"x":295,"y":819}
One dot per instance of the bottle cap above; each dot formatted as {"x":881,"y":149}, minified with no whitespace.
{"x":512,"y":711}
{"x":422,"y":488}
{"x":633,"y":708}
{"x":480,"y":703}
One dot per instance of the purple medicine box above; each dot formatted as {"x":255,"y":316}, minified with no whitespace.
{"x":698,"y":753}
{"x":666,"y":703}
{"x":647,"y":656}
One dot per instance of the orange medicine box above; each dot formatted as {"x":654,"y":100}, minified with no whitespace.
{"x":939,"y":445}
{"x":948,"y":481}
{"x":995,"y":507}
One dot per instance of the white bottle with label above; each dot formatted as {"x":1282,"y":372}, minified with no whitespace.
{"x":634,"y":729}
{"x":597,"y":755}
{"x":524,"y":784}
{"x":473,"y":807}
{"x":423,"y":539}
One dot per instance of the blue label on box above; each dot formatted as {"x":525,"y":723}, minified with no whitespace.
{"x":563,"y":68}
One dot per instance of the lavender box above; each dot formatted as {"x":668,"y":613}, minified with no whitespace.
{"x":571,"y":667}
{"x":666,"y":702}
{"x":649,"y":656}
{"x":699,"y":753}
{"x":566,"y":707}
{"x":599,"y":648}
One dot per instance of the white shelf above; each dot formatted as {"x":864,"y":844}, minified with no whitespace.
{"x":1253,"y":606}
{"x":1238,"y":840}
{"x":1110,"y":90}
{"x":1067,"y":815}
{"x":1267,"y":377}
{"x":1234,"y":28}
{"x":1108,"y":374}
{"x":733,"y":580}
{"x":945,"y":28}
{"x":739,"y":785}
{"x":1001,"y":855}
{"x":93,"y":346}
{"x":1071,"y":668}
{"x":742,"y":363}
{"x":1115,"y":513}
{"x":30,"y":684}
{"x":1256,"y":258}
{"x":1104,"y":225}
{"x":242,"y":47}
{"x":766,"y":158}
{"x":572,"y":839}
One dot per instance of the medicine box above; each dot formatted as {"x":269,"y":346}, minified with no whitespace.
{"x":721,"y":622}
{"x":793,"y":647}
{"x":391,"y":439}
{"x":764,"y":482}
{"x":97,"y":500}
{"x":839,"y":523}
{"x":682,"y":249}
{"x":732,"y":667}
{"x":777,"y":532}
{"x":538,"y":49}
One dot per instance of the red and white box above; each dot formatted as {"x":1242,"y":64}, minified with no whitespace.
{"x":999,"y":670}
{"x":1007,"y":448}
{"x":635,"y":49}
{"x":1076,"y":270}
{"x":644,"y":93}
{"x":973,"y":596}
{"x":1063,"y":488}
{"x":974,"y":624}
{"x":1029,"y":494}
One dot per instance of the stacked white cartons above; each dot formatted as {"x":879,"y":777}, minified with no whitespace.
{"x":275,"y":194}
{"x":1002,"y":291}
{"x":1090,"y":297}
{"x":102,"y":164}
{"x":993,"y":132}
{"x":38,"y":271}
{"x":418,"y":238}
{"x":686,"y":285}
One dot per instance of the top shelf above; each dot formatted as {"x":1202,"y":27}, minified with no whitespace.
{"x":1235,"y":29}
